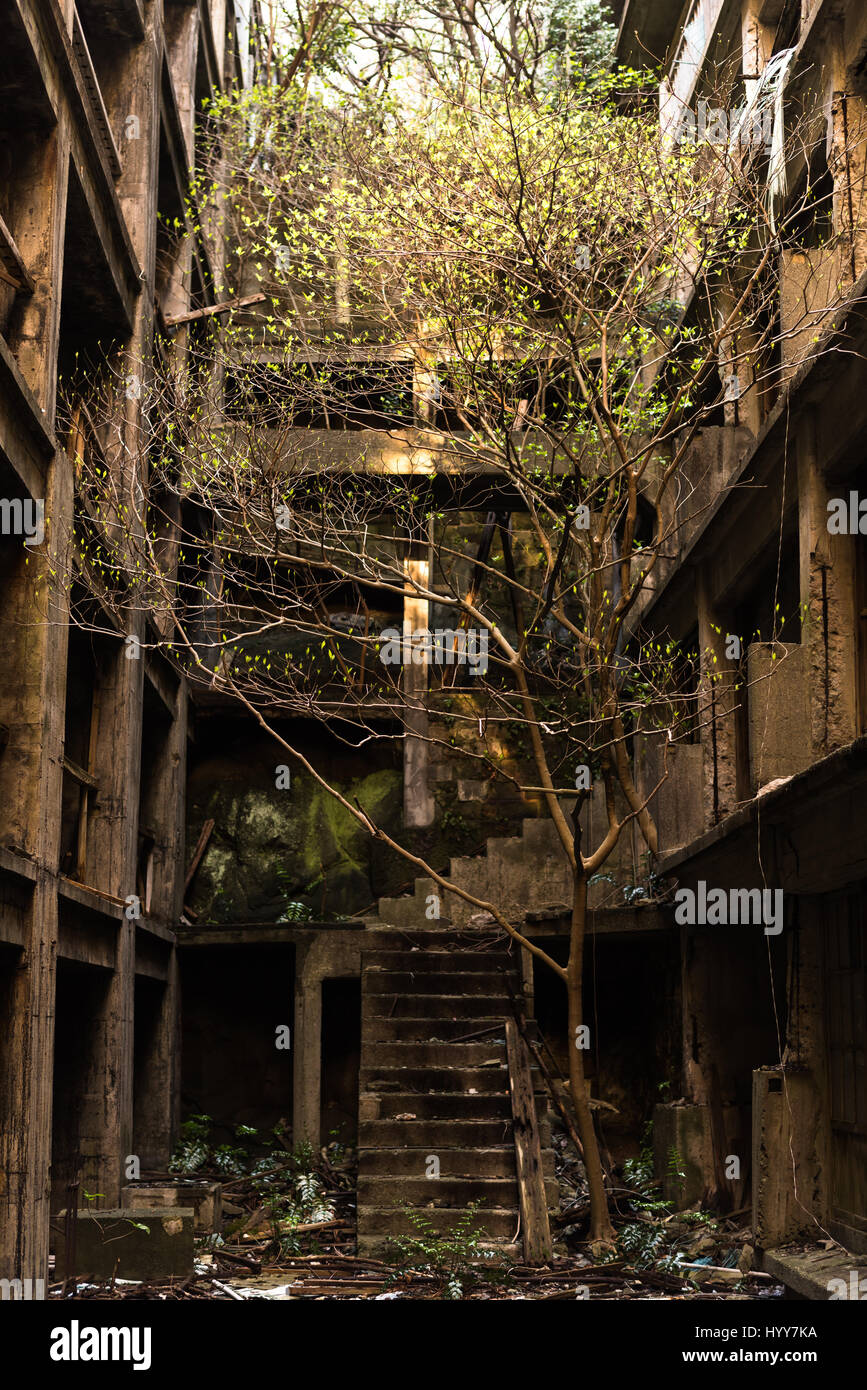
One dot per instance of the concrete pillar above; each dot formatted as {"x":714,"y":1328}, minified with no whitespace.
{"x":787,"y":1175}
{"x":25,"y":1097}
{"x":173,"y":280}
{"x":741,"y":406}
{"x":719,"y":700}
{"x":846,"y":117}
{"x":307,"y":1073}
{"x":779,"y":711}
{"x":118,"y":718}
{"x":791,"y":1104}
{"x":827,"y":586}
{"x":694,"y":982}
{"x":757,"y":42}
{"x":182,"y":47}
{"x":30,"y":788}
{"x":37,"y":212}
{"x":157,"y":1065}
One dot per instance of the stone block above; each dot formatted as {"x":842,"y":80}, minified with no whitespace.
{"x":205,"y":1198}
{"x":686,"y":1129}
{"x":139,"y":1243}
{"x":787,"y":1119}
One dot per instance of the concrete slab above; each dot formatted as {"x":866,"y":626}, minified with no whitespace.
{"x":205,"y":1198}
{"x":137,"y":1243}
{"x":818,"y":1274}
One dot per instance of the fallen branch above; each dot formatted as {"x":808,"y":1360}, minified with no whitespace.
{"x":222,"y":308}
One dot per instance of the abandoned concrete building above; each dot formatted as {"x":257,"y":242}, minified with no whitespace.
{"x":773,"y":1034}
{"x":97,"y":104}
{"x":119,"y":786}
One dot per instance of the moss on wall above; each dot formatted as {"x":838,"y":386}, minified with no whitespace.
{"x":271,"y":846}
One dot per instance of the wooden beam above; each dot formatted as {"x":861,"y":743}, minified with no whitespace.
{"x":205,"y":836}
{"x":78,"y":774}
{"x":528,"y":1150}
{"x":222,"y":308}
{"x":12,"y":268}
{"x":94,"y":92}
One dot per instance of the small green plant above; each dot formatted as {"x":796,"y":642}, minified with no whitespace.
{"x":450,"y":1256}
{"x":292,"y":1198}
{"x":698,"y":1218}
{"x":335,"y":1150}
{"x":452,"y":822}
{"x":193,"y":1146}
{"x":642,"y":1242}
{"x":638,"y":1176}
{"x":196,"y":1151}
{"x":674,"y":1169}
{"x":295,"y":912}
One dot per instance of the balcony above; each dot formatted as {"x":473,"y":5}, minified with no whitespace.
{"x":409,"y":451}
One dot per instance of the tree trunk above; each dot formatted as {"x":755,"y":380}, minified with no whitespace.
{"x":600,"y":1222}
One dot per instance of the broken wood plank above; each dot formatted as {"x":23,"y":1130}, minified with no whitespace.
{"x":175,"y":321}
{"x":12,"y":268}
{"x":78,"y":774}
{"x":198,"y":854}
{"x":528,"y":1150}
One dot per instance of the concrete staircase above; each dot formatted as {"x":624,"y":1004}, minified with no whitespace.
{"x":434,"y":1086}
{"x":519,"y":873}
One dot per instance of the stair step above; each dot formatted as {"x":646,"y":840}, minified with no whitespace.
{"x":422,"y":1080}
{"x":431,"y":1030}
{"x":494,"y":1162}
{"x":432,"y":1193}
{"x":415,"y":1005}
{"x":375,"y":1224}
{"x":444,"y":960}
{"x":390,"y":1134}
{"x":444,"y":935}
{"x":460,"y":982}
{"x":431,"y":1054}
{"x":433,"y":1048}
{"x":441,"y":1105}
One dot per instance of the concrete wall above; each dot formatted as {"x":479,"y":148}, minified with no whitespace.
{"x":779,"y":713}
{"x":83,"y":1080}
{"x":676,"y":769}
{"x":271,"y":845}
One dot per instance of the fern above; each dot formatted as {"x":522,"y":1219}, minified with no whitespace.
{"x":641,"y":1241}
{"x":449,"y":1256}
